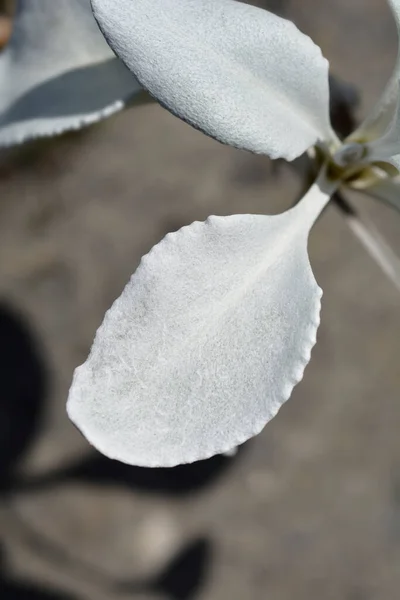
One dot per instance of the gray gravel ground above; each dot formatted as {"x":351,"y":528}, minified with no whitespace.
{"x":311,"y":508}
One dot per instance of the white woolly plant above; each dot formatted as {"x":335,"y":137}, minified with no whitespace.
{"x":216,"y":326}
{"x":57,"y":73}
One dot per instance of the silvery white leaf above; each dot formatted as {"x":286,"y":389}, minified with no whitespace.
{"x":387,"y":190}
{"x":368,"y":234}
{"x":238,"y":73}
{"x":205,"y":343}
{"x":387,"y":148}
{"x":383,"y":129}
{"x":57,"y":72}
{"x":380,"y":118}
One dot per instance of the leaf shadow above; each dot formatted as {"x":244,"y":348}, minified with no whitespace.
{"x":13,"y":589}
{"x":183,"y":577}
{"x":95,"y":469}
{"x":343,"y":100}
{"x":23,"y":390}
{"x":57,"y":97}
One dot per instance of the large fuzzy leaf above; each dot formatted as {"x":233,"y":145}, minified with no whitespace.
{"x":58,"y":73}
{"x":205,"y":343}
{"x":239,"y":73}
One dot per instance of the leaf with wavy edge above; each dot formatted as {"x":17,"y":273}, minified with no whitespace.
{"x":57,"y":72}
{"x":206,"y":342}
{"x":238,"y":73}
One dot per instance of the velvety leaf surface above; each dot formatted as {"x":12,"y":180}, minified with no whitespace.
{"x":205,"y":343}
{"x":239,"y":73}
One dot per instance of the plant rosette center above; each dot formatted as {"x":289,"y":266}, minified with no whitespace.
{"x":217,"y":324}
{"x":353,"y":165}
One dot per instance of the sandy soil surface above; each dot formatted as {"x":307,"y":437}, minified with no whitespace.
{"x":310,"y":509}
